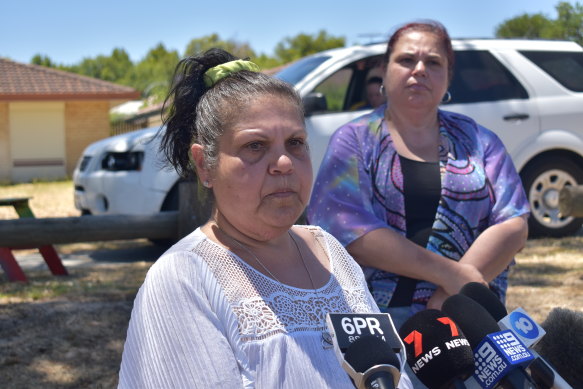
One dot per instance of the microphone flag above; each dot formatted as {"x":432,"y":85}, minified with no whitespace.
{"x":496,"y":355}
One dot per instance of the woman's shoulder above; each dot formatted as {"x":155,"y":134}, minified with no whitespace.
{"x":357,"y":126}
{"x":458,"y":121}
{"x":333,"y":247}
{"x":180,"y":259}
{"x":316,"y":231}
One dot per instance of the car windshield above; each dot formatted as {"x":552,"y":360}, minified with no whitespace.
{"x":295,"y":72}
{"x":565,"y":67}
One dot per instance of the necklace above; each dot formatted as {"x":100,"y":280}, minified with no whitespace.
{"x":326,"y":338}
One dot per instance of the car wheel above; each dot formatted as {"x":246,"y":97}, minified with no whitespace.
{"x":542,"y":182}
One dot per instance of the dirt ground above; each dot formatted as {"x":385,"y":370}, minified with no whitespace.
{"x":68,"y":332}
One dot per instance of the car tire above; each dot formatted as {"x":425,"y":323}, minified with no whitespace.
{"x":542,"y":182}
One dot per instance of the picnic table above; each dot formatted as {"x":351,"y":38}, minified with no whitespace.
{"x":48,"y":252}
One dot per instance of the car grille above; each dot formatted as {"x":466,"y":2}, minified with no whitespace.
{"x":84,"y":163}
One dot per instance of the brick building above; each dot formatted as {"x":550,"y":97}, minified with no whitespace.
{"x":47,"y":118}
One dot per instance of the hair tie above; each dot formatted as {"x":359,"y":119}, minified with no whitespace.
{"x":213,"y":75}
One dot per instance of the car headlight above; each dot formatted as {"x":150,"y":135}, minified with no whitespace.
{"x":83,"y":162}
{"x":131,"y":160}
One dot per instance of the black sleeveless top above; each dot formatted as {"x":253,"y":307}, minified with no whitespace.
{"x":422,"y":189}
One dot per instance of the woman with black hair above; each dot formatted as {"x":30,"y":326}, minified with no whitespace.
{"x":242,"y":300}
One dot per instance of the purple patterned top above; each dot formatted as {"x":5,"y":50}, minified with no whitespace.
{"x":359,"y":188}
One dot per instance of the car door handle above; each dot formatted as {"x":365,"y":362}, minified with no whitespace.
{"x":516,"y":117}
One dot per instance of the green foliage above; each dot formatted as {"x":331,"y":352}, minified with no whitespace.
{"x":113,"y":68}
{"x":200,"y":45}
{"x":266,"y":62}
{"x":291,"y":49}
{"x":42,"y":60}
{"x":568,"y":25}
{"x":152,"y":74}
{"x":524,"y":26}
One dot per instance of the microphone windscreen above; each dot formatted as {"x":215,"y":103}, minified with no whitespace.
{"x":471,"y":317}
{"x":368,"y":351}
{"x":486,"y":298}
{"x":562,"y":345}
{"x":437,"y":350}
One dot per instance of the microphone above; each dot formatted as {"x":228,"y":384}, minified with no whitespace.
{"x":518,"y":321}
{"x":367,"y":345}
{"x":525,"y":328}
{"x":499,"y":355}
{"x":437,"y":350}
{"x":486,"y":298}
{"x":345,"y":328}
{"x":563,"y":344}
{"x":372,"y":363}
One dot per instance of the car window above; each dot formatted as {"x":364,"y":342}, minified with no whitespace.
{"x":334,"y":88}
{"x":345,"y":90}
{"x":299,"y":69}
{"x":480,"y":77}
{"x":565,"y":67}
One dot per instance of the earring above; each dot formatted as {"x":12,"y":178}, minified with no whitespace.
{"x":446,"y":98}
{"x":382,"y":89}
{"x":206,"y":184}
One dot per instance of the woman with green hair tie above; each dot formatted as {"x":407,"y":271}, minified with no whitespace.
{"x":242,"y":300}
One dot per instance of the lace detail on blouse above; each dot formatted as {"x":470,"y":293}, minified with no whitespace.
{"x":264,"y":307}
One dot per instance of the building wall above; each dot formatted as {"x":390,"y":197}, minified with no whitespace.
{"x":85,"y":123}
{"x":5,"y":156}
{"x":37,"y":140}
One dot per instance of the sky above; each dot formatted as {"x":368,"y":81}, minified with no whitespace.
{"x":69,"y":30}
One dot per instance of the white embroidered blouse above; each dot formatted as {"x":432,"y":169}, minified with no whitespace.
{"x":204,"y":318}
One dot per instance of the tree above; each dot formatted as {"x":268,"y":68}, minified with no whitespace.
{"x":43,"y":60}
{"x":568,"y":25}
{"x":291,"y":49}
{"x":113,"y":68}
{"x":152,"y":75}
{"x":266,"y":62}
{"x":200,"y":45}
{"x":524,"y":26}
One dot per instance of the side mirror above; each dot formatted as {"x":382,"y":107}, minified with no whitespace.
{"x":314,"y":102}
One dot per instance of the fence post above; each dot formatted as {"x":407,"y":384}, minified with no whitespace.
{"x":194,"y":206}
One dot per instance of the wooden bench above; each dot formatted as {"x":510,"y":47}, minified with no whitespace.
{"x":48,"y":252}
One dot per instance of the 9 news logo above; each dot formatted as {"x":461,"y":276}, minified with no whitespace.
{"x":497,"y":355}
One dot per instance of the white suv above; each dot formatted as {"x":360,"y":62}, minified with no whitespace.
{"x":530,"y":92}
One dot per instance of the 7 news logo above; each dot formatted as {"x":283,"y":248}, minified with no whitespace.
{"x":499,"y":353}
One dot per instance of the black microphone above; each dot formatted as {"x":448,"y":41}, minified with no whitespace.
{"x":486,"y":298}
{"x":525,"y":328}
{"x":437,"y":350}
{"x":563,"y":344}
{"x":499,"y":355}
{"x":366,"y":346}
{"x":372,"y":363}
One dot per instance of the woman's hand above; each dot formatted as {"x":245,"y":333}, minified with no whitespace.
{"x":387,"y":250}
{"x":437,"y":299}
{"x":461,"y":274}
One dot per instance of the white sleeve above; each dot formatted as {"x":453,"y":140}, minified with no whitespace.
{"x":177,"y":338}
